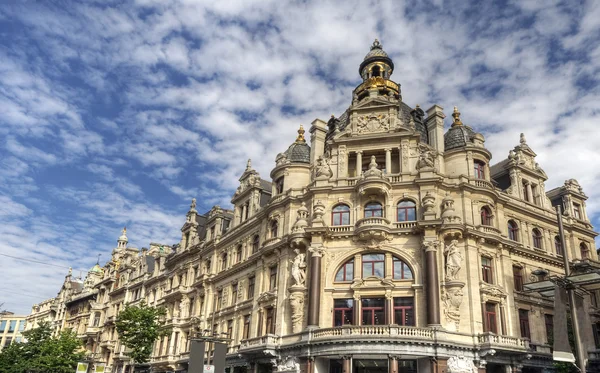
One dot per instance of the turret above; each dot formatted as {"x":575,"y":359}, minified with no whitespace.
{"x":292,"y":167}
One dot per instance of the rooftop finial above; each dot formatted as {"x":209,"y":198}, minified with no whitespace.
{"x":456,"y":116}
{"x":124,"y":231}
{"x":193,"y":205}
{"x":300,"y":137}
{"x":376,"y":44}
{"x":522,"y":139}
{"x":249,"y":165}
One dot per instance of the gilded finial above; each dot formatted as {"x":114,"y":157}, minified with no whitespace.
{"x":300,"y":137}
{"x":376,"y":44}
{"x":456,"y":116}
{"x":124,"y":230}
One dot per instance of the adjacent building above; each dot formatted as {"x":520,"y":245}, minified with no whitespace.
{"x":385,"y":243}
{"x":11,"y":326}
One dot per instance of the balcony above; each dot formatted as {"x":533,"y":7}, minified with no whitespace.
{"x":268,"y":341}
{"x":341,"y":229}
{"x":491,"y":340}
{"x":488,"y":229}
{"x":481,"y":183}
{"x":372,"y":228}
{"x":374,"y":331}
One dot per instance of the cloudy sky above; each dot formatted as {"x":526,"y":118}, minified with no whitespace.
{"x":116,"y":114}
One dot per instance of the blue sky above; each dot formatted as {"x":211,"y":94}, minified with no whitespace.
{"x":117,"y":113}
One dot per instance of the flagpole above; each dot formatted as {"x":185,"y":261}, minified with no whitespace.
{"x":571,"y":293}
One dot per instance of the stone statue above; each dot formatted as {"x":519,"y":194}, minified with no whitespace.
{"x":193,"y":205}
{"x":460,"y":364}
{"x":322,"y":169}
{"x":288,"y":365}
{"x":299,"y":268}
{"x":453,"y":260}
{"x":297,"y":308}
{"x":426,"y":159}
{"x":452,"y":299}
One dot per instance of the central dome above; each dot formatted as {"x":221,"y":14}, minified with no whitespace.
{"x":376,"y":54}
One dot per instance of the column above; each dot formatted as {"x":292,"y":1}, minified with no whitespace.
{"x":529,"y":192}
{"x":502,"y":320}
{"x":347,"y":364}
{"x":310,"y":365}
{"x":392,"y":364}
{"x":389,"y":309}
{"x":400,"y":169}
{"x":359,"y":163}
{"x":432,"y":283}
{"x":314,"y":290}
{"x":388,"y":161}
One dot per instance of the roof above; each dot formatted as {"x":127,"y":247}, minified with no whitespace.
{"x":298,"y":152}
{"x":376,"y":54}
{"x":457,"y":137}
{"x":499,"y":167}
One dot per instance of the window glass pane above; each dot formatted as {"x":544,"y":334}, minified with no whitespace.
{"x":378,"y":269}
{"x":346,"y":218}
{"x":2,"y":326}
{"x":412,"y":214}
{"x":373,"y":257}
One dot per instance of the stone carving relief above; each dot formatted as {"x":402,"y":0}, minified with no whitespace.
{"x":288,"y":364}
{"x":373,"y":123}
{"x":405,"y":155}
{"x":342,"y":156}
{"x":454,"y":260}
{"x":452,"y":298}
{"x":322,"y":169}
{"x":297,"y":308}
{"x":460,"y":364}
{"x":426,"y":158}
{"x":298,"y":270}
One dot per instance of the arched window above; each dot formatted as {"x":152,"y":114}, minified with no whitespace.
{"x":585,"y":252}
{"x":224,"y":262}
{"x":373,"y":265}
{"x":513,"y":230}
{"x":401,"y":270}
{"x":536,"y":236}
{"x":376,"y":71}
{"x":273,"y":228}
{"x":279,"y":185}
{"x":479,"y":169}
{"x":238,"y":254}
{"x":340,"y":215}
{"x":255,"y":243}
{"x":346,"y":272}
{"x":486,"y":216}
{"x":558,"y":246}
{"x":407,"y":211}
{"x":373,"y":209}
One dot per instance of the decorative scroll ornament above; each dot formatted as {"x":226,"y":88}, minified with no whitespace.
{"x":453,"y":260}
{"x":373,"y":123}
{"x":460,"y":364}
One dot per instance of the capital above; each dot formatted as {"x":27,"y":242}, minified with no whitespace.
{"x":317,"y":251}
{"x":431,"y":245}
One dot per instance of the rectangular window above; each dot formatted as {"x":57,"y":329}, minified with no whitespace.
{"x":479,"y":170}
{"x":518,"y":278}
{"x":549,"y":322}
{"x":22,"y":326}
{"x":404,"y":311}
{"x":373,"y":265}
{"x":270,"y":320}
{"x":7,"y":341}
{"x":234,"y":292}
{"x":486,"y":270}
{"x":12,"y":326}
{"x":373,"y":311}
{"x":343,"y":313}
{"x":246,"y":332}
{"x":524,"y":323}
{"x":2,"y":326}
{"x":219,"y":300}
{"x":577,"y":211}
{"x":490,"y":318}
{"x":250,"y":294}
{"x":229,"y":329}
{"x":272,"y":278}
{"x":191,"y":309}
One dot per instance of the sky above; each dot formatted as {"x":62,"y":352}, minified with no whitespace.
{"x":118,"y":113}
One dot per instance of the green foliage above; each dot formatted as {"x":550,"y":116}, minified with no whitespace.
{"x":42,"y":353}
{"x":139,"y":327}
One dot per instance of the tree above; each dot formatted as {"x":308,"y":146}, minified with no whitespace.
{"x":42,"y":353}
{"x":139,"y":327}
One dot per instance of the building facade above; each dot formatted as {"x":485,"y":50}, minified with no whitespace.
{"x":387,"y":244}
{"x":11,"y":326}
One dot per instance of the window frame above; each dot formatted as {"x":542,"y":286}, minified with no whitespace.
{"x":487,"y":270}
{"x":524,"y":327}
{"x":238,"y":254}
{"x":246,"y":328}
{"x":479,"y":169}
{"x":341,"y":214}
{"x":272,"y":277}
{"x":577,"y":211}
{"x":373,"y":312}
{"x":344,"y":311}
{"x":405,"y":210}
{"x":558,"y":246}
{"x":255,"y":243}
{"x":371,"y":212}
{"x":403,"y":266}
{"x":372,"y":263}
{"x":491,"y":318}
{"x":537,"y":238}
{"x":487,"y":218}
{"x":279,"y":185}
{"x":251,"y":285}
{"x":274,"y":228}
{"x":584,"y":250}
{"x":344,"y":268}
{"x":513,"y":230}
{"x":404,"y":309}
{"x":518,"y":278}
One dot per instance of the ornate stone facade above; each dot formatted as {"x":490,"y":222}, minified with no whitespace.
{"x":386,"y":242}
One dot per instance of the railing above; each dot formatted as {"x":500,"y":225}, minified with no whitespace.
{"x":271,"y":340}
{"x":405,"y":224}
{"x":277,"y":198}
{"x":351,"y":182}
{"x":480,"y":183}
{"x":503,"y":340}
{"x":341,"y":228}
{"x":374,"y":331}
{"x":372,"y":221}
{"x":396,"y":179}
{"x":488,"y":229}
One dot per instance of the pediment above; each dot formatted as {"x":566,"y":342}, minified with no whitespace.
{"x":373,"y":103}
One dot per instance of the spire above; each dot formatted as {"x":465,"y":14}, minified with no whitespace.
{"x":376,"y":44}
{"x":300,"y":137}
{"x":456,"y":116}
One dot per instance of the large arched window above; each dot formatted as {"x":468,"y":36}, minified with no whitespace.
{"x":340,"y":215}
{"x":486,"y":216}
{"x":558,"y":246}
{"x":401,"y":270}
{"x":273,"y":228}
{"x":585,"y":252}
{"x":536,"y":236}
{"x":373,"y":209}
{"x":513,"y":230}
{"x":407,"y":211}
{"x":346,"y":272}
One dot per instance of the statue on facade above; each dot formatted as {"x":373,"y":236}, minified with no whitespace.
{"x":426,"y":159}
{"x":460,"y":364}
{"x":298,"y":268}
{"x":193,"y":205}
{"x":453,"y":260}
{"x":297,"y":308}
{"x":322,"y":169}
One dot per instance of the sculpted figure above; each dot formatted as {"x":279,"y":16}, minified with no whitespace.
{"x":453,"y":260}
{"x":322,"y":170}
{"x":299,"y":268}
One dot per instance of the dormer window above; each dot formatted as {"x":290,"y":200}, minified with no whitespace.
{"x":577,"y":211}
